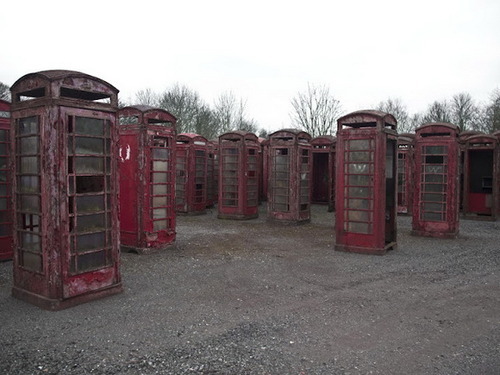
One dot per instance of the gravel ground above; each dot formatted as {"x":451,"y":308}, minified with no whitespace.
{"x":253,"y":297}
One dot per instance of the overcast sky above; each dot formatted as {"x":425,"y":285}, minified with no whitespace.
{"x":264,"y":51}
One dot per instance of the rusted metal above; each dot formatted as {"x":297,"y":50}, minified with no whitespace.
{"x":66,"y":192}
{"x":6,"y":250}
{"x":147,"y":178}
{"x":481,"y":177}
{"x":405,"y":173}
{"x":366,"y":182}
{"x":238,"y":175}
{"x":191,"y":174}
{"x":436,"y":198}
{"x":289,"y":181}
{"x":323,"y":170}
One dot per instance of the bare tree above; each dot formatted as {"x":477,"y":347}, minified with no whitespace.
{"x":438,"y":112}
{"x":491,"y":114}
{"x":184,"y":104}
{"x":396,"y":108}
{"x":415,"y":121}
{"x":147,"y":97}
{"x":464,"y":112}
{"x":229,"y":113}
{"x":315,"y":111}
{"x":4,"y":91}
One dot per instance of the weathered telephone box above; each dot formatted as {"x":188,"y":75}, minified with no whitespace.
{"x":405,"y":173}
{"x":480,"y":177}
{"x":66,"y":232}
{"x":289,"y":195}
{"x":212,"y":172}
{"x":147,"y":178}
{"x":323,"y":170}
{"x":191,"y":174}
{"x":239,"y":189}
{"x":366,"y":182}
{"x":435,"y":202}
{"x":5,"y":183}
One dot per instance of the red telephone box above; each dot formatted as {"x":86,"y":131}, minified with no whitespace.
{"x":462,"y":137}
{"x":239,"y":190}
{"x":323,"y":170}
{"x":191,"y":174}
{"x":405,"y":173}
{"x":480,"y":177}
{"x":435,"y":202}
{"x":366,"y":182}
{"x":147,"y":178}
{"x":212,"y":175}
{"x":66,"y":228}
{"x":5,"y":183}
{"x":289,"y":198}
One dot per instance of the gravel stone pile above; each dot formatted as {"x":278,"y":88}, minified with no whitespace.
{"x":252,"y":297}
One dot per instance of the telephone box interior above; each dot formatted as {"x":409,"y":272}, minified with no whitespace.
{"x":480,"y":176}
{"x":323,"y":170}
{"x":405,"y":173}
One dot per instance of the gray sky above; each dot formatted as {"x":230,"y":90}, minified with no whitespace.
{"x":264,"y":51}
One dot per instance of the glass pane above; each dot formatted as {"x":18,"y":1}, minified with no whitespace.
{"x":29,"y":222}
{"x":359,"y":168}
{"x":161,"y":166}
{"x":93,"y":146}
{"x":359,"y":216}
{"x":28,"y":165}
{"x":435,"y":150}
{"x":3,"y":203}
{"x":427,"y":206}
{"x":159,"y":213}
{"x":358,"y":227}
{"x":29,"y":203}
{"x":3,"y":149}
{"x":90,"y":223}
{"x":435,"y":188}
{"x":28,"y":145}
{"x":160,"y":189}
{"x":430,"y":197}
{"x":3,"y":135}
{"x":360,"y":156}
{"x":29,"y":184}
{"x":91,"y":241}
{"x":359,"y":192}
{"x":5,"y":229}
{"x":30,"y":242}
{"x":159,"y":224}
{"x":358,"y":144}
{"x":28,"y":125}
{"x":360,"y":180}
{"x":365,"y":204}
{"x":434,"y":169}
{"x":92,"y":203}
{"x":32,"y":261}
{"x":89,"y":126}
{"x":91,"y":261}
{"x":159,"y":201}
{"x":89,"y":165}
{"x":3,"y":176}
{"x":161,"y":153}
{"x":3,"y":190}
{"x":433,"y":177}
{"x":433,"y":216}
{"x":159,"y":178}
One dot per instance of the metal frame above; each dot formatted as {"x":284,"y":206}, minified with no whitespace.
{"x":6,"y":210}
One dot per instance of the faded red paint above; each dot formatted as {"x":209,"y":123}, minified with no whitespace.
{"x":66,"y":197}
{"x":289,"y":180}
{"x":435,"y":204}
{"x":405,"y":173}
{"x":238,"y":175}
{"x":481,"y":177}
{"x":6,"y":250}
{"x":323,"y":170}
{"x":147,"y":178}
{"x":191,"y":174}
{"x":366,"y":183}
